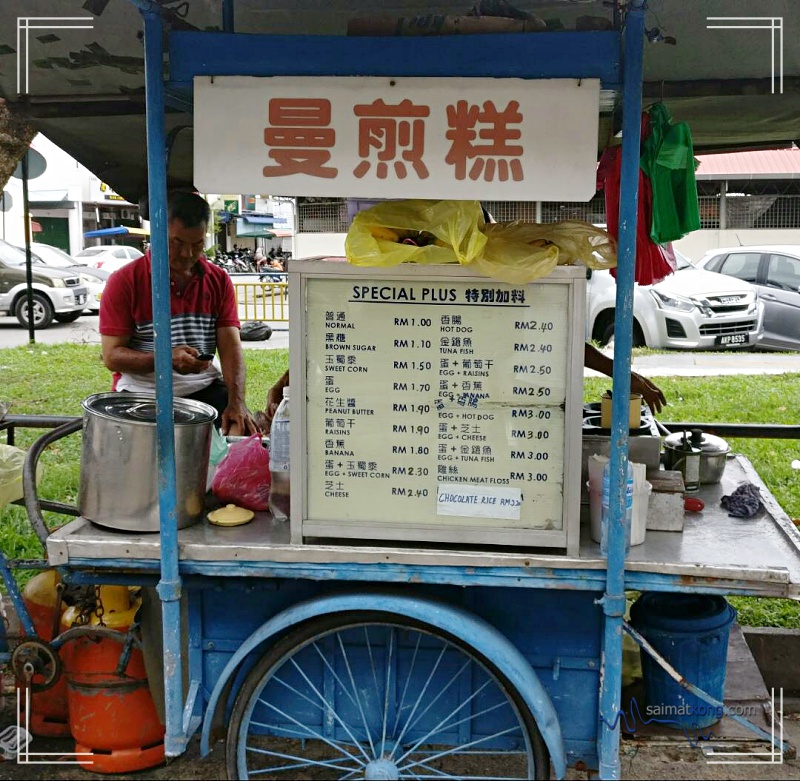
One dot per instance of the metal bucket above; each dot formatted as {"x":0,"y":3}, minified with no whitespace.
{"x":119,"y":474}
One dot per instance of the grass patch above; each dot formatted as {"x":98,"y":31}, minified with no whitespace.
{"x":53,"y":380}
{"x":767,"y":398}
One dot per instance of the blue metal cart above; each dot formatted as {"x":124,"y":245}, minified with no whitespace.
{"x":347,"y":661}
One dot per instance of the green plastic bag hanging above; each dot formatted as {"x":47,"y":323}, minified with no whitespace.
{"x":668,"y":160}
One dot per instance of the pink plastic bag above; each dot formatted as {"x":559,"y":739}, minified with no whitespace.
{"x":242,"y":477}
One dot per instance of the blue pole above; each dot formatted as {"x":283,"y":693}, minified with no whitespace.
{"x":169,"y":587}
{"x":614,"y":598}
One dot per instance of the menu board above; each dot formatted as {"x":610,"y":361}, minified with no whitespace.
{"x":435,"y":405}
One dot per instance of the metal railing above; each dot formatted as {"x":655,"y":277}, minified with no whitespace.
{"x":719,"y":210}
{"x":593,"y":211}
{"x":323,"y":217}
{"x":740,"y":212}
{"x":263,"y":301}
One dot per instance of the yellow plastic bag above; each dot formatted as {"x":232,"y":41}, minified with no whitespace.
{"x":455,"y":225}
{"x":512,"y":252}
{"x":510,"y":259}
{"x":576,"y":240}
{"x":11,"y":462}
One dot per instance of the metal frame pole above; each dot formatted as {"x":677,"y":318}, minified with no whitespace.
{"x":26,"y":211}
{"x":169,"y":587}
{"x":613,"y":600}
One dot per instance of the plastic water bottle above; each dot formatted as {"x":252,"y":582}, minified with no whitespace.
{"x":605,"y":512}
{"x":279,"y":464}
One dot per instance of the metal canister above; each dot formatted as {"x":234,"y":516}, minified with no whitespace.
{"x":119,"y":479}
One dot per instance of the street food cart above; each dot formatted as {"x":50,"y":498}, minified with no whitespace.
{"x":434,"y":607}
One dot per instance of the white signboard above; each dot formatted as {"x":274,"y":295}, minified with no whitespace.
{"x":490,"y":139}
{"x":436,"y":402}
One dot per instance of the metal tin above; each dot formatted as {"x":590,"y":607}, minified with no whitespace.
{"x":713,"y":453}
{"x":119,"y":476}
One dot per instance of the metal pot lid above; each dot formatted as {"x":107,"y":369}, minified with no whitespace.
{"x":141,"y":408}
{"x":679,"y":440}
{"x":708,"y":444}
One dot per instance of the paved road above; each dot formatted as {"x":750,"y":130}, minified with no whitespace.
{"x":84,"y":331}
{"x":689,"y":364}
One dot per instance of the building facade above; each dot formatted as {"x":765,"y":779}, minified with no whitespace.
{"x":66,"y":201}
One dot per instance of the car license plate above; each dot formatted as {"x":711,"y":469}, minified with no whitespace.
{"x":730,"y":339}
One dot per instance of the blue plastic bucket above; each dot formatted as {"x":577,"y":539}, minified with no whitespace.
{"x":691,"y":632}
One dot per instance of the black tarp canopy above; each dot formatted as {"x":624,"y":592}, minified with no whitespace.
{"x":84,"y":87}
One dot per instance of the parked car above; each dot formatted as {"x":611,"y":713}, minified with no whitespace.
{"x":108,"y":257}
{"x":689,"y":310}
{"x":93,"y":278}
{"x":774,"y":270}
{"x":57,"y":293}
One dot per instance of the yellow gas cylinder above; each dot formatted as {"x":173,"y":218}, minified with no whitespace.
{"x":49,"y":716}
{"x":113,"y":717}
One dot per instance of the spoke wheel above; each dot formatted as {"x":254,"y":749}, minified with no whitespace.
{"x":380,"y":696}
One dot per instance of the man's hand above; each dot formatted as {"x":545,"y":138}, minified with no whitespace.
{"x":185,"y":360}
{"x":238,"y":422}
{"x":651,"y":393}
{"x":274,"y":398}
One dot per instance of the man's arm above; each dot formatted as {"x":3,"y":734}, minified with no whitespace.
{"x":118,"y":357}
{"x":651,"y":393}
{"x":236,"y":418}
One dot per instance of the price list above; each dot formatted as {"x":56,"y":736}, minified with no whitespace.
{"x":436,"y":403}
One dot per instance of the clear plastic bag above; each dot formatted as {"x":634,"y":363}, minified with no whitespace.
{"x":242,"y":477}
{"x":11,"y":462}
{"x":575,"y":240}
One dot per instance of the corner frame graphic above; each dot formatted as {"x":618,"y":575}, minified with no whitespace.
{"x":26,"y":23}
{"x":772,"y":23}
{"x":27,"y":757}
{"x":772,"y":757}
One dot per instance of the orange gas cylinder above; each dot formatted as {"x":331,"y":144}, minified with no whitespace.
{"x":113,"y":717}
{"x":49,"y":716}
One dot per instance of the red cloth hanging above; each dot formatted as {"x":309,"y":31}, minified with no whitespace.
{"x":653,"y":261}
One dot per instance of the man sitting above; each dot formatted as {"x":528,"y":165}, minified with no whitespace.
{"x":204,"y":320}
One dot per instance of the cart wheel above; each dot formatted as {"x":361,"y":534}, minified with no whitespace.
{"x":378,"y":695}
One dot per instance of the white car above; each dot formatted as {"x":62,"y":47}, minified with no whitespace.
{"x":93,"y":278}
{"x":108,"y":257}
{"x":775,"y":272}
{"x":689,"y":310}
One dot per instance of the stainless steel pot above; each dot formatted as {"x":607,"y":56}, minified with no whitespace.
{"x":713,"y":453}
{"x":119,"y":476}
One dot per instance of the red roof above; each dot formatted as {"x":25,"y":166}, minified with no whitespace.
{"x":767,"y":164}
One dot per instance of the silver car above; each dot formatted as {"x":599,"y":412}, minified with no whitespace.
{"x":689,"y":310}
{"x":93,"y":278}
{"x":774,"y":270}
